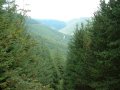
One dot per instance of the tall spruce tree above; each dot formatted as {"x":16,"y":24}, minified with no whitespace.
{"x":78,"y":61}
{"x":106,"y":46}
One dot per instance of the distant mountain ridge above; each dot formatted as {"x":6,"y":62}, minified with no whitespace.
{"x":71,"y":25}
{"x":61,"y":26}
{"x":54,"y":24}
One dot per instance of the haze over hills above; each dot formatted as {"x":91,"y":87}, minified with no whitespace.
{"x":54,"y":33}
{"x":54,"y":24}
{"x":61,"y":26}
{"x":71,"y":25}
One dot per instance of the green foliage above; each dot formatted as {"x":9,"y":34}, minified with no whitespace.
{"x":24,"y":65}
{"x":59,"y":63}
{"x":105,"y":45}
{"x":94,"y":52}
{"x":57,"y":45}
{"x":10,"y":41}
{"x":78,"y":66}
{"x":34,"y":58}
{"x":52,"y":38}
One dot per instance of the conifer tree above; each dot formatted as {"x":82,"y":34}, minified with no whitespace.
{"x":78,"y":61}
{"x":105,"y":46}
{"x":96,"y":63}
{"x":59,"y":63}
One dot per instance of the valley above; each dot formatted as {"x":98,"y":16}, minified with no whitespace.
{"x":54,"y":33}
{"x":52,"y":38}
{"x":62,"y":45}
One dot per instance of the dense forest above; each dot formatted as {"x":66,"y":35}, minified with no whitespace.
{"x":30,"y":59}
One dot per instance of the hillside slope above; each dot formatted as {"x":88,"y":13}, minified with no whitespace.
{"x":53,"y":39}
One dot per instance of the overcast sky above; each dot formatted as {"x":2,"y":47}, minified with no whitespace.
{"x":60,"y":9}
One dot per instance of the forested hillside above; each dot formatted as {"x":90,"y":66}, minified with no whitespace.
{"x":36,"y":56}
{"x":52,"y":38}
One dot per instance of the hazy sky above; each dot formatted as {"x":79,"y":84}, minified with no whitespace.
{"x":60,"y":9}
